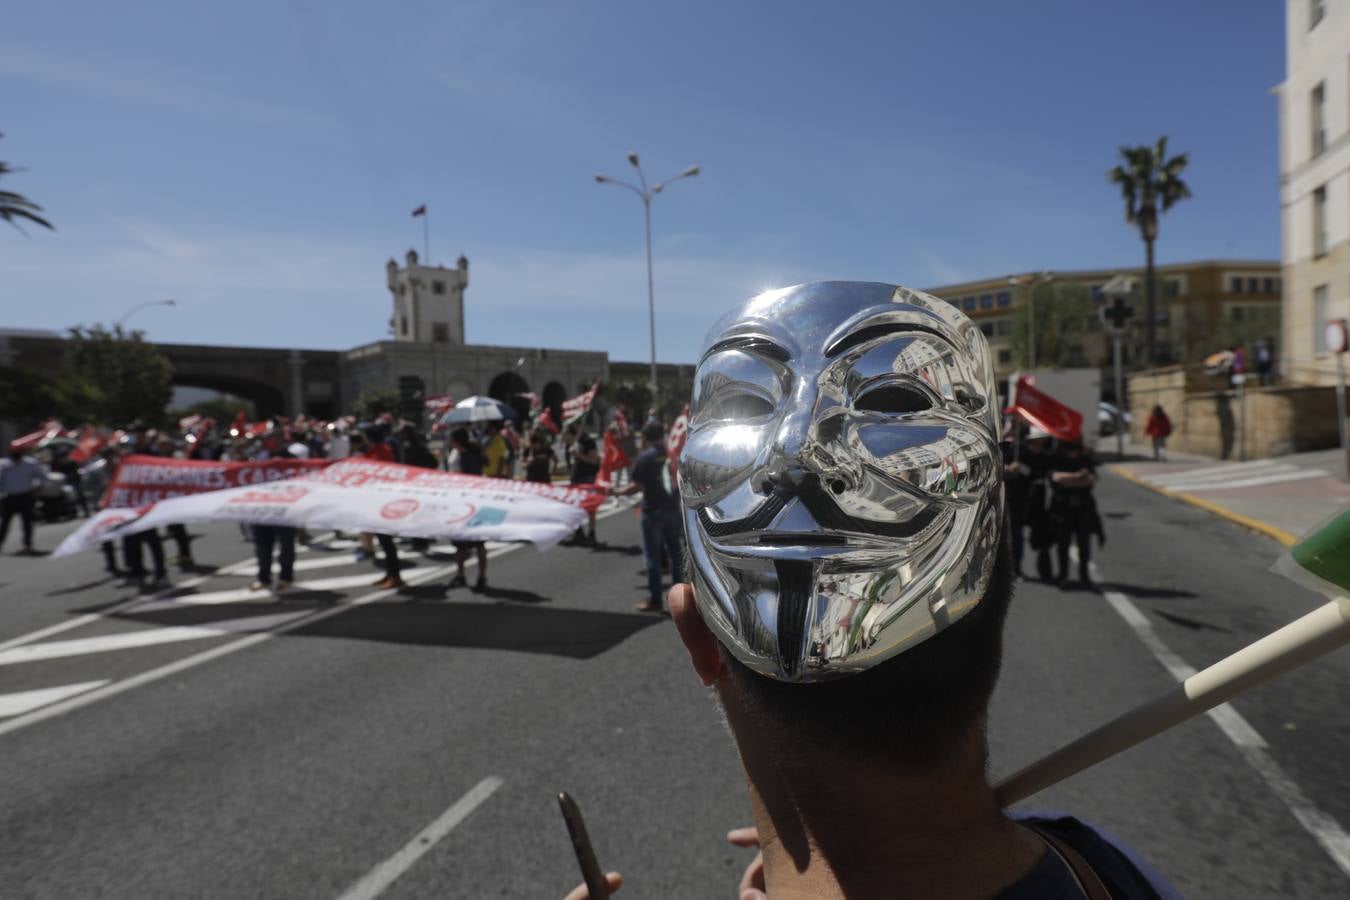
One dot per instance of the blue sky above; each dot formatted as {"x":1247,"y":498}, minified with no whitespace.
{"x":258,"y":161}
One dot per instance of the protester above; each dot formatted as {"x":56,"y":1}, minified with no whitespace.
{"x":585,"y":469}
{"x":660,"y":513}
{"x":20,"y":477}
{"x":496,"y":453}
{"x":265,"y":538}
{"x":471,"y":462}
{"x":1158,"y":427}
{"x":1073,"y":509}
{"x":69,"y":467}
{"x":417,"y":453}
{"x":377,"y":449}
{"x":539,"y":463}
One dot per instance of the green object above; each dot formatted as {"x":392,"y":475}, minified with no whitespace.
{"x":1326,"y":552}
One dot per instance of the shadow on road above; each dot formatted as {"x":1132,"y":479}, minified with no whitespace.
{"x":575,"y":633}
{"x":625,"y":549}
{"x":1148,"y":593}
{"x":1192,"y":624}
{"x":88,"y":585}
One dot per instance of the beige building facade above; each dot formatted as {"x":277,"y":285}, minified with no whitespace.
{"x":1314,"y":103}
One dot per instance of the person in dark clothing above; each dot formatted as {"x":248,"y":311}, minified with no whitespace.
{"x":585,"y":469}
{"x":660,"y":513}
{"x":471,"y":462}
{"x":417,"y":453}
{"x":1016,"y":486}
{"x":70,"y":468}
{"x":539,"y":463}
{"x":1073,"y":510}
{"x":265,"y":539}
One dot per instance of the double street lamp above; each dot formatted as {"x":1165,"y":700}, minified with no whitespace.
{"x":139,"y":306}
{"x":647,"y":193}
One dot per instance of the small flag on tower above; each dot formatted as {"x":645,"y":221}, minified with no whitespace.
{"x":420,"y":211}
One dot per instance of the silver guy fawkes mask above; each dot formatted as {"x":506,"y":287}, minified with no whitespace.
{"x":841,"y":481}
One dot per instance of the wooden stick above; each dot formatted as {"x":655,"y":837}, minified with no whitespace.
{"x":1303,"y":640}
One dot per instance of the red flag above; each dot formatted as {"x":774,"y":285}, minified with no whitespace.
{"x":239,"y":424}
{"x":546,"y":421}
{"x":90,"y":443}
{"x":439,"y":404}
{"x":1047,"y":413}
{"x":420,"y":211}
{"x":612,"y":460}
{"x":579,"y":405}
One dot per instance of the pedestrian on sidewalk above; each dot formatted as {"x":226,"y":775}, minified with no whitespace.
{"x":471,"y":462}
{"x":660,"y":513}
{"x":1158,"y":427}
{"x":20,"y":477}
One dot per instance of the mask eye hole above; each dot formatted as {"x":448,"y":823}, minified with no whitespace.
{"x":893,"y":398}
{"x":737,"y":407}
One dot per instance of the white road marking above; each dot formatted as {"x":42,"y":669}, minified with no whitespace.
{"x":119,"y":687}
{"x":26,"y":701}
{"x":1276,"y":478}
{"x":235,"y":595}
{"x":387,"y":872}
{"x":1252,"y":747}
{"x":147,"y":637}
{"x":1222,"y":470}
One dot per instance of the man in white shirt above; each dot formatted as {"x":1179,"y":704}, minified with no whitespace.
{"x":20,"y":477}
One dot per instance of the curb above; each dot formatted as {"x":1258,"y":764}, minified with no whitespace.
{"x":1279,"y":535}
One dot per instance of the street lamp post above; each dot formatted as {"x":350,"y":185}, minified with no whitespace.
{"x":647,"y":193}
{"x":1031,"y":282}
{"x":139,"y":306}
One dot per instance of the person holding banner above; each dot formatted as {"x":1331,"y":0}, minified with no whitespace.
{"x":471,"y":462}
{"x":585,"y":461}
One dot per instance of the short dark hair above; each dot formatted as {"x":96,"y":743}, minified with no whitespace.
{"x":916,"y":710}
{"x":653,"y":433}
{"x":460,"y":436}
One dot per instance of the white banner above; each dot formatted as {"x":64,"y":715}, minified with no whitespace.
{"x":366,"y":495}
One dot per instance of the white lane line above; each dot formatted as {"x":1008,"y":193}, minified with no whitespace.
{"x":1223,"y":470}
{"x":1298,"y":475}
{"x":147,"y":637}
{"x":1252,"y":747}
{"x":26,"y":701}
{"x":1224,"y":474}
{"x":234,"y":595}
{"x":164,"y":671}
{"x":387,"y":872}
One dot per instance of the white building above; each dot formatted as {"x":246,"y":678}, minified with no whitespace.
{"x":1314,"y":182}
{"x":428,"y":301}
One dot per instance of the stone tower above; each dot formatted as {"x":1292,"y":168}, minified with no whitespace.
{"x":428,"y":301}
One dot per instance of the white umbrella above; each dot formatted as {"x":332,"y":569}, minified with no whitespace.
{"x":478,"y":409}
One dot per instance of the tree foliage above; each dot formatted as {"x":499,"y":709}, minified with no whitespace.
{"x":14,"y":207}
{"x":223,"y":409}
{"x":1067,"y":330}
{"x":113,"y":377}
{"x":376,"y":402}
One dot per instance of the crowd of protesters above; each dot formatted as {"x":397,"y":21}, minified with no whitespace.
{"x":81,"y":463}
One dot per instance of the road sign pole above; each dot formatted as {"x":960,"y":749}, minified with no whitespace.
{"x":1340,"y":409}
{"x":1120,"y":397}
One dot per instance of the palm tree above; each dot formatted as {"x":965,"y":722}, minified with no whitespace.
{"x":1148,"y":178}
{"x":16,"y":206}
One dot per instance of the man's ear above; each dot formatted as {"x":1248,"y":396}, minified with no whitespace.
{"x":704,"y":651}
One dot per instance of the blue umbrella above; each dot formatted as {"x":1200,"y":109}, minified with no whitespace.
{"x":478,"y":409}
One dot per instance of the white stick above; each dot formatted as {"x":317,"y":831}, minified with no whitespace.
{"x":1303,"y":640}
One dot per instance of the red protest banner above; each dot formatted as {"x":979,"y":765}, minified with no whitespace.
{"x":1047,"y":413}
{"x":612,"y":459}
{"x":142,"y":480}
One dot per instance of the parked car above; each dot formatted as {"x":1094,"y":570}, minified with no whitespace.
{"x":1107,"y":416}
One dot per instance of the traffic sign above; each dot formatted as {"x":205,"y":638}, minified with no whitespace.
{"x":1117,"y":314}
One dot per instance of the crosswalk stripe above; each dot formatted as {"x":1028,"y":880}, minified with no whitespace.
{"x":144,"y":638}
{"x":1277,"y":478}
{"x":24,"y":701}
{"x":1222,"y":468}
{"x":1224,"y":474}
{"x":340,"y":583}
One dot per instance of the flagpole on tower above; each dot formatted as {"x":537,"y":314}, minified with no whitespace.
{"x":426,"y":233}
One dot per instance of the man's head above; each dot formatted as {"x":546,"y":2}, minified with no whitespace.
{"x":653,"y":435}
{"x":841,"y":477}
{"x":460,"y":438}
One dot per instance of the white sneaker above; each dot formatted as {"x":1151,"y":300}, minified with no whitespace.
{"x":259,"y":586}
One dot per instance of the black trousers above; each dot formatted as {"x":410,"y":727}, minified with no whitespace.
{"x":179,"y":534}
{"x":265,"y":538}
{"x":1081,"y":534}
{"x":390,"y":549}
{"x":20,"y":505}
{"x":131,"y":552}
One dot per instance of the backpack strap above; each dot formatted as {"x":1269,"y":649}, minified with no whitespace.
{"x":1088,"y":881}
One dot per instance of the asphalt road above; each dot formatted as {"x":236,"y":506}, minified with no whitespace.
{"x":336,"y":754}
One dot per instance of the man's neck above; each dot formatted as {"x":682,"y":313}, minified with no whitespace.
{"x":938,"y":833}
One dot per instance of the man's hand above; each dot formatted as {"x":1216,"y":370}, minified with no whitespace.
{"x":580,"y":892}
{"x":752,"y":881}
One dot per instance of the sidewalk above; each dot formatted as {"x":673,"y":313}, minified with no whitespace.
{"x":1281,"y":497}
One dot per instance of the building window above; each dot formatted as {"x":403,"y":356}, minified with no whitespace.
{"x":1237,"y":313}
{"x":1316,"y":10}
{"x":986,"y":301}
{"x":1004,"y":357}
{"x":1235,"y":284}
{"x":1253,"y":285}
{"x":1096,"y":292}
{"x":1316,"y":103}
{"x":1320,"y":319}
{"x":987,"y":328}
{"x":403,"y":324}
{"x":438,"y":287}
{"x":440,"y":332}
{"x":1172,"y":287}
{"x":1319,"y":212}
{"x":1003,"y":327}
{"x":1268,"y":285}
{"x":969,"y":304}
{"x":1004,"y":298}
